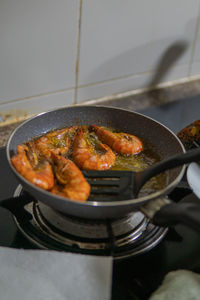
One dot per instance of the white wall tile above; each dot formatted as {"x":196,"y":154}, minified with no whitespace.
{"x":195,"y":64}
{"x":195,"y":68}
{"x":124,"y":84}
{"x":127,"y":38}
{"x":124,"y":45}
{"x":38,"y":46}
{"x":25,"y":107}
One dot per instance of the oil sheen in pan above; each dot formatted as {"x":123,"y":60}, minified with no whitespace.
{"x":137,"y":162}
{"x":140,"y":162}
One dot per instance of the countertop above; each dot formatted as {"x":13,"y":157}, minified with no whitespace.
{"x":138,"y":102}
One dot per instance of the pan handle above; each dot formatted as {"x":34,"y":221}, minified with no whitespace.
{"x":167,"y":213}
{"x":16,"y":206}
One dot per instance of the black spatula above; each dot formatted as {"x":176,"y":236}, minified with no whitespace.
{"x":121,"y":185}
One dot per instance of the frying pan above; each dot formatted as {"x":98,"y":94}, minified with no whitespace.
{"x":164,"y":142}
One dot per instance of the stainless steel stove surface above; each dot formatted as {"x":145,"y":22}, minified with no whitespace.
{"x":135,"y":274}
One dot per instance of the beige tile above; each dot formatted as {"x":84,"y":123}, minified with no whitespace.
{"x":119,"y":39}
{"x":38,"y":47}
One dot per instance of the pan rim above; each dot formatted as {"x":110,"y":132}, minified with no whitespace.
{"x":137,"y":201}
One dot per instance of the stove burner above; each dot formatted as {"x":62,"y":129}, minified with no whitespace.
{"x":91,"y":229}
{"x":121,"y":238}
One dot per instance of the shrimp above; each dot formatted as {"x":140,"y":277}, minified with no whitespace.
{"x":56,"y":141}
{"x":73,"y":184}
{"x":41,"y":176}
{"x":122,"y":143}
{"x":32,"y":153}
{"x":87,"y":157}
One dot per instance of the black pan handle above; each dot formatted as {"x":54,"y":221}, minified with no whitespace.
{"x":164,"y":212}
{"x":16,"y":206}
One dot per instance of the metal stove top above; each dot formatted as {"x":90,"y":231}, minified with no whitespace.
{"x":136,"y":277}
{"x":47,"y":228}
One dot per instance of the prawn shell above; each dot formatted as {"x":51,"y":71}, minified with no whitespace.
{"x":85,"y":156}
{"x":123,"y":143}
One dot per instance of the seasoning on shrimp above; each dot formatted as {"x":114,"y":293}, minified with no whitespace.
{"x":32,"y":153}
{"x":123,"y":143}
{"x":90,"y":157}
{"x":57,"y":141}
{"x":41,"y":176}
{"x":73,"y":184}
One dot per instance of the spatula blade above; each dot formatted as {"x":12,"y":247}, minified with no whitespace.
{"x":110,"y":185}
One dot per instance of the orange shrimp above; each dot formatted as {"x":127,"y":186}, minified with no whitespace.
{"x":123,"y":143}
{"x":87,"y":158}
{"x":32,"y":153}
{"x":56,"y":141}
{"x":41,"y":176}
{"x":74,"y":185}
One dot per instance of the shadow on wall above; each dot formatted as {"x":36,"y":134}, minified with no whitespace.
{"x":167,"y":60}
{"x":153,"y":63}
{"x":142,"y":59}
{"x":158,"y":57}
{"x":164,"y":65}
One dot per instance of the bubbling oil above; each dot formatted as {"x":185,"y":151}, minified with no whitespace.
{"x":140,"y":162}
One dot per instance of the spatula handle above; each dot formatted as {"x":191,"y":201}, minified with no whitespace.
{"x":169,"y":163}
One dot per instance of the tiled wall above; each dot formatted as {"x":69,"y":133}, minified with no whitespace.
{"x":57,"y":53}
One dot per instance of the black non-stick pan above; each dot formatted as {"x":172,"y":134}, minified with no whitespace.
{"x":164,"y":142}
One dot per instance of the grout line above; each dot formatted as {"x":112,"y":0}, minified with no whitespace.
{"x":119,"y":78}
{"x":112,"y":97}
{"x":194,"y":41}
{"x":36,"y":96}
{"x":142,"y":90}
{"x":78,"y":53}
{"x":118,"y":95}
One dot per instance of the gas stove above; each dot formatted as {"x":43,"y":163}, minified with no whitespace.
{"x":47,"y":228}
{"x":143,"y":253}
